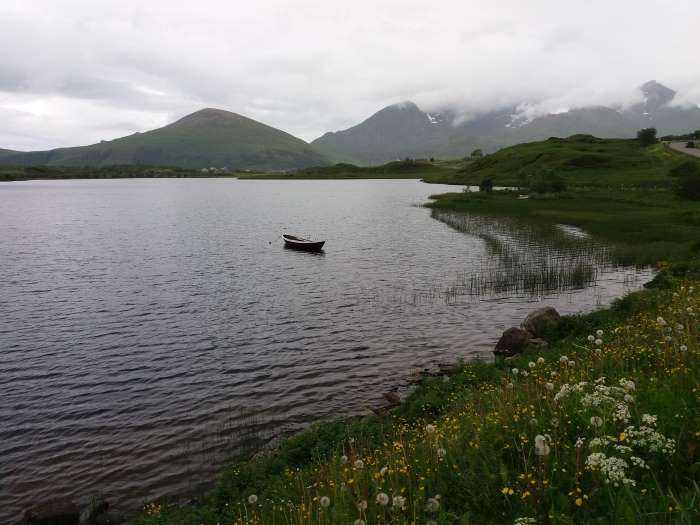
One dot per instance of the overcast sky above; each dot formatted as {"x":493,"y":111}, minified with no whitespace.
{"x":78,"y":71}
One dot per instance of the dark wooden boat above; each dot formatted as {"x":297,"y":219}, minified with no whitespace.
{"x":297,"y":243}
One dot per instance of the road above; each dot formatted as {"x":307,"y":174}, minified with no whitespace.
{"x":680,"y":146}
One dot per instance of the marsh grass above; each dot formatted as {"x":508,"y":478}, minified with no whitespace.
{"x":523,"y":258}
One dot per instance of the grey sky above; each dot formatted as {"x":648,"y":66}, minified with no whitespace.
{"x":77,"y":71}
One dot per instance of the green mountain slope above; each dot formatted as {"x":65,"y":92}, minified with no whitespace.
{"x":209,"y":137}
{"x":583,"y":160}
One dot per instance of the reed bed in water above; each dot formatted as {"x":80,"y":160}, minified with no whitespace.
{"x":524,"y":258}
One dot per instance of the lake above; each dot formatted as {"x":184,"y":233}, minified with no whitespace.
{"x":154,"y":328}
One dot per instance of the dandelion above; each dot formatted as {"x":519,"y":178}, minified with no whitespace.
{"x":563,"y":359}
{"x":384,"y":470}
{"x":572,"y":364}
{"x":661,"y":321}
{"x":398,"y":502}
{"x":628,"y":385}
{"x":531,"y":364}
{"x":549,"y":386}
{"x":359,"y":463}
{"x":599,"y":333}
{"x":432,"y":505}
{"x":343,"y":459}
{"x":598,"y":342}
{"x":382,"y":499}
{"x":541,"y":447}
{"x":591,"y":338}
{"x":533,"y":422}
{"x":429,"y":429}
{"x":628,"y":398}
{"x":325,"y":502}
{"x":515,"y":371}
{"x":596,"y":422}
{"x":540,"y":360}
{"x":683,"y":348}
{"x":252,"y":499}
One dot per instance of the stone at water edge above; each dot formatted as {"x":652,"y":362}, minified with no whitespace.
{"x":541,"y":320}
{"x":513,"y":341}
{"x":59,"y":511}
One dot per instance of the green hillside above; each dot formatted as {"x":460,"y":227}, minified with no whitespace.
{"x":207,"y":138}
{"x":582,"y":160}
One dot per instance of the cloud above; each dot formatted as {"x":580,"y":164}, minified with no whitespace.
{"x":79,"y":71}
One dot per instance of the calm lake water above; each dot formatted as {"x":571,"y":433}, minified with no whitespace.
{"x":150,"y":329}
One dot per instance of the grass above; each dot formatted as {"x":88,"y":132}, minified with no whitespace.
{"x":566,"y":439}
{"x":403,"y":169}
{"x":15,"y":173}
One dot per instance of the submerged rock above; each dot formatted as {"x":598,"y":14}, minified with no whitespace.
{"x":513,"y":341}
{"x":541,"y":320}
{"x":59,"y":511}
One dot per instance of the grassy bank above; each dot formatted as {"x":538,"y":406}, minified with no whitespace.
{"x":16,"y":173}
{"x":599,"y":429}
{"x":432,"y":171}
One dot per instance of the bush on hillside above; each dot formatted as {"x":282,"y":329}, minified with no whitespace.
{"x":548,"y":182}
{"x":688,"y":184}
{"x":647,"y":136}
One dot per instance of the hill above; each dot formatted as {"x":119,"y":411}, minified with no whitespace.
{"x":209,"y":137}
{"x":405,"y":130}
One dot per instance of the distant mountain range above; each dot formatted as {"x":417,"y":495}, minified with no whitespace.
{"x":404,"y":130}
{"x":217,"y":138}
{"x":207,"y":138}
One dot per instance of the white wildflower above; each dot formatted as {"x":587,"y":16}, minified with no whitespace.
{"x":441,"y":452}
{"x":515,"y":371}
{"x":598,"y":342}
{"x":661,"y":321}
{"x":531,"y":364}
{"x":343,"y":459}
{"x":683,"y":348}
{"x":540,"y":360}
{"x":599,"y":333}
{"x":398,"y":502}
{"x":432,"y":505}
{"x":429,"y":429}
{"x":252,"y":499}
{"x":596,"y":421}
{"x":563,"y":359}
{"x":549,"y":386}
{"x":591,"y":338}
{"x":359,"y":464}
{"x":325,"y":502}
{"x":510,"y":386}
{"x":382,"y":499}
{"x":383,"y":471}
{"x":541,"y":446}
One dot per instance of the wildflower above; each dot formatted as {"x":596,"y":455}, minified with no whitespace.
{"x":579,"y":442}
{"x":579,"y":502}
{"x":429,"y":429}
{"x":668,"y":338}
{"x":599,"y":333}
{"x":597,"y":351}
{"x":382,"y":499}
{"x":628,"y":398}
{"x":441,"y":452}
{"x":661,"y":321}
{"x":515,"y":371}
{"x":549,"y":386}
{"x":359,"y":463}
{"x":572,"y":364}
{"x":507,"y":491}
{"x":531,"y":364}
{"x":591,"y":338}
{"x":343,"y":459}
{"x":432,"y":505}
{"x":398,"y":502}
{"x":563,"y":359}
{"x":683,"y":348}
{"x":524,"y":373}
{"x":540,"y":360}
{"x":510,"y":386}
{"x":325,"y":502}
{"x":596,"y":421}
{"x":384,"y":470}
{"x":555,"y":422}
{"x":525,"y":521}
{"x":598,"y":342}
{"x":533,"y":422}
{"x":628,"y":385}
{"x":252,"y":499}
{"x":541,"y":447}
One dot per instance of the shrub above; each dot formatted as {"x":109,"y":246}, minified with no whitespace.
{"x":688,"y":187}
{"x":647,"y":136}
{"x":690,"y":144}
{"x":548,"y":182}
{"x":486,"y":185}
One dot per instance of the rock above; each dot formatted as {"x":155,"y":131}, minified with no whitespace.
{"x":393,"y":398}
{"x":541,"y":320}
{"x":513,"y":341}
{"x":59,"y":511}
{"x":537,"y":342}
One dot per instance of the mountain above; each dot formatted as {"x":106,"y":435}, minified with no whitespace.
{"x":404,"y":130}
{"x":210,"y":137}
